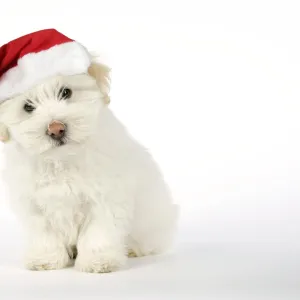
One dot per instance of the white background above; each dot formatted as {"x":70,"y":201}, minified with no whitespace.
{"x":212,"y":88}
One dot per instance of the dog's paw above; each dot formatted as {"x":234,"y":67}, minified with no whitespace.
{"x":100,"y":262}
{"x":46,"y":259}
{"x":131,"y":253}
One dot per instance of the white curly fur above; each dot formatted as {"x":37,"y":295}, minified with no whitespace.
{"x":101,"y":194}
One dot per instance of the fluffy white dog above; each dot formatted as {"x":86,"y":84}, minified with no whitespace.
{"x":80,"y":184}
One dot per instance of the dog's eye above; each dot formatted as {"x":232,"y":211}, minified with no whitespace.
{"x":29,"y":107}
{"x":65,"y":93}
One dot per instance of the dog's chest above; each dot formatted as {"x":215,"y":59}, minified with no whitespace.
{"x":62,"y":192}
{"x":63,"y":186}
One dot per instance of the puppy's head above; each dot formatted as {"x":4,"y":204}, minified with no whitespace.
{"x":60,"y":112}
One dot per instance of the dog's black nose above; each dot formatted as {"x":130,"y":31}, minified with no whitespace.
{"x":56,"y":130}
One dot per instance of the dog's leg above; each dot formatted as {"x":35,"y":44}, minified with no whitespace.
{"x":155,"y":223}
{"x":45,"y":249}
{"x":101,"y":243}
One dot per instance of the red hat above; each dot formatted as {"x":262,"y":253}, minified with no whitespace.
{"x":30,"y":59}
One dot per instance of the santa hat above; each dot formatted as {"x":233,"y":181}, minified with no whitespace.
{"x":30,"y":59}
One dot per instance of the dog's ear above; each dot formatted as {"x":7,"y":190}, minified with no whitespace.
{"x":4,"y":134}
{"x":101,"y":73}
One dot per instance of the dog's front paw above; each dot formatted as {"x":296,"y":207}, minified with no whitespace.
{"x":46,"y":259}
{"x":100,"y":261}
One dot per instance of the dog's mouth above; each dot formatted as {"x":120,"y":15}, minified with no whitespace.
{"x":60,"y":142}
{"x":64,"y":141}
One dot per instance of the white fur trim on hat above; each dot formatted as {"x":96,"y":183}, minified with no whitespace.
{"x":65,"y":59}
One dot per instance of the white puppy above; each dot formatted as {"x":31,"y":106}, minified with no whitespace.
{"x":78,"y":181}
